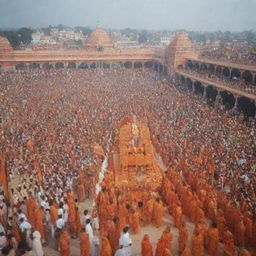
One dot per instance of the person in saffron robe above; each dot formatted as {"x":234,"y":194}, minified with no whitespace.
{"x":244,"y":252}
{"x":84,"y":244}
{"x":64,"y":243}
{"x":197,"y":244}
{"x":177,"y":215}
{"x":148,"y":212}
{"x":164,"y":242}
{"x":113,"y":234}
{"x":105,"y":247}
{"x":228,"y":243}
{"x":135,"y":222}
{"x":183,"y":237}
{"x":186,"y":252}
{"x":212,"y":239}
{"x":146,"y":246}
{"x":39,"y":223}
{"x":158,"y":212}
{"x":240,"y":232}
{"x":167,"y":252}
{"x":77,"y":222}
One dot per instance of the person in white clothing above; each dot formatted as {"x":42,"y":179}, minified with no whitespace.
{"x":125,"y":241}
{"x":85,"y":217}
{"x":36,"y":244}
{"x":24,"y":225}
{"x":3,"y":240}
{"x":121,"y":252}
{"x":88,"y":229}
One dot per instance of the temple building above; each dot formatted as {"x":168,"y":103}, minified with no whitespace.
{"x":98,"y":41}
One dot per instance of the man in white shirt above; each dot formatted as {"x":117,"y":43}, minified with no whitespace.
{"x":60,"y":222}
{"x":125,"y":241}
{"x":121,"y":252}
{"x":24,"y":225}
{"x":88,"y":229}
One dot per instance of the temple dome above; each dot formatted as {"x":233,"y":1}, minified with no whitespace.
{"x":98,"y":40}
{"x":5,"y":45}
{"x":181,"y":41}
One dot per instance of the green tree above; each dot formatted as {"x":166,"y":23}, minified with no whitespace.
{"x":25,"y":35}
{"x":13,"y":38}
{"x":143,"y":37}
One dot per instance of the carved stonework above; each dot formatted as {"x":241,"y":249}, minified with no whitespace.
{"x":98,"y":40}
{"x":178,"y":50}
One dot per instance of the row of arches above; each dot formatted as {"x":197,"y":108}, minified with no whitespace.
{"x":72,"y":65}
{"x":230,"y":73}
{"x":243,"y":104}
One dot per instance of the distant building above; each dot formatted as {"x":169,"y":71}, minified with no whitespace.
{"x":165,"y":40}
{"x":127,"y":44}
{"x":37,"y":36}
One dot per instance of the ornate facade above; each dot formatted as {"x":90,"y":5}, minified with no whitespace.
{"x":99,"y":52}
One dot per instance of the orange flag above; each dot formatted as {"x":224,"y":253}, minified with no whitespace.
{"x":3,"y":175}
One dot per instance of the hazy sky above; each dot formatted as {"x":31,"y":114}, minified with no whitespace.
{"x":234,"y":15}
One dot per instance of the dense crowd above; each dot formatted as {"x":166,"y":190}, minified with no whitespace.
{"x":50,"y":121}
{"x":242,"y":54}
{"x":235,"y":82}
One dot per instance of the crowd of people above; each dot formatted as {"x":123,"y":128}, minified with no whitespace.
{"x":237,"y":53}
{"x":52,"y":119}
{"x":236,"y":83}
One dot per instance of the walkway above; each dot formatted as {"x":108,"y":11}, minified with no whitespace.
{"x":217,"y":84}
{"x":226,"y":64}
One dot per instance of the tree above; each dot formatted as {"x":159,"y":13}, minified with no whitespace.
{"x":13,"y":38}
{"x":25,"y":35}
{"x":143,"y":37}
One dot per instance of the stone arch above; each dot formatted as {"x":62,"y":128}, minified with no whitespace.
{"x":71,"y":65}
{"x":211,"y":92}
{"x":218,"y":71}
{"x":92,"y":65}
{"x":83,"y":65}
{"x":137,"y":65}
{"x":211,"y":68}
{"x":189,"y":64}
{"x":235,"y":73}
{"x":34,"y":66}
{"x":247,"y":76}
{"x":199,"y":89}
{"x":148,"y":64}
{"x":228,"y":99}
{"x":105,"y":65}
{"x":116,"y":65}
{"x":156,"y":66}
{"x":182,"y":79}
{"x":160,"y":68}
{"x":59,"y":65}
{"x":189,"y":83}
{"x":203,"y":67}
{"x":128,"y":64}
{"x":21,"y":66}
{"x":196,"y":66}
{"x":47,"y":65}
{"x":226,"y":72}
{"x":246,"y":105}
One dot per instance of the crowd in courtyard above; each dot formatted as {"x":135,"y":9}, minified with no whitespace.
{"x":236,"y":53}
{"x":52,"y":120}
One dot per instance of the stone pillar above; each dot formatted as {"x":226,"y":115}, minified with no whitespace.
{"x":204,"y":94}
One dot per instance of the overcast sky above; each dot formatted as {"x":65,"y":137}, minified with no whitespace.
{"x":200,"y":15}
